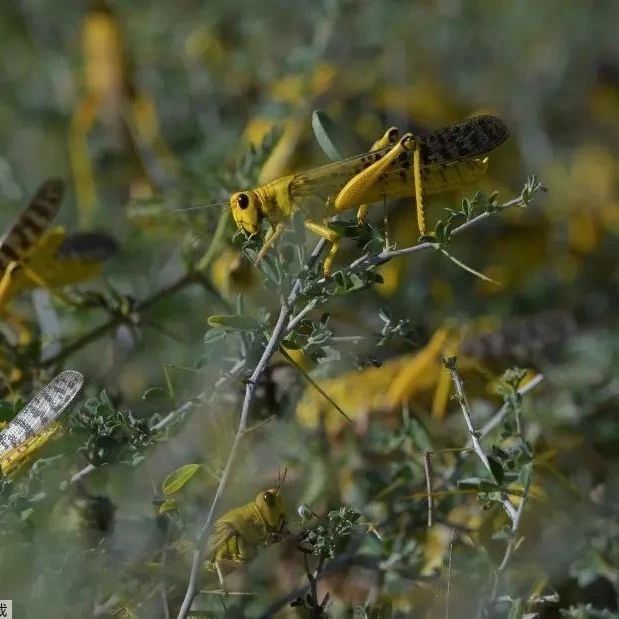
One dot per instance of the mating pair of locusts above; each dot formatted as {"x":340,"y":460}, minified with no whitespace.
{"x":395,"y":167}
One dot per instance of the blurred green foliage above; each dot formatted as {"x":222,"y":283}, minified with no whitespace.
{"x":234,"y":85}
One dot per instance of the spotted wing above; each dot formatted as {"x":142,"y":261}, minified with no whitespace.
{"x":25,"y":231}
{"x":468,"y":139}
{"x":471,"y":138}
{"x":35,"y":419}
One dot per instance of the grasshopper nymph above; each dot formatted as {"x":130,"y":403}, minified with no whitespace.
{"x":393,"y":168}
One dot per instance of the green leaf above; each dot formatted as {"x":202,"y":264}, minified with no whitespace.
{"x":167,"y":506}
{"x":497,"y":469}
{"x":470,"y":483}
{"x":7,"y":411}
{"x":234,"y":323}
{"x":324,"y":128}
{"x":178,"y":478}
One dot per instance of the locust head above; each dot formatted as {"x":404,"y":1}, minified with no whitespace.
{"x":246,"y":211}
{"x":270,"y":504}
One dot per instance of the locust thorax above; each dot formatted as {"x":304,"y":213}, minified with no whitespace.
{"x":270,"y":504}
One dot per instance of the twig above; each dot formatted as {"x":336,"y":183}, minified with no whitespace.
{"x":511,"y":544}
{"x":367,"y":261}
{"x":117,"y":319}
{"x":498,"y":417}
{"x":450,"y":364}
{"x":278,"y":333}
{"x":428,"y":470}
{"x":448,"y":593}
{"x":294,"y":322}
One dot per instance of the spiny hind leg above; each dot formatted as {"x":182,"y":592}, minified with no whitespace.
{"x":418,"y":188}
{"x":329,"y":235}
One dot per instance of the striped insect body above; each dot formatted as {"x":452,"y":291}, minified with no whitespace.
{"x":26,"y":230}
{"x":35,"y":423}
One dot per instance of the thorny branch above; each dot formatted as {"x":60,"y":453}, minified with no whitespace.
{"x":511,"y":544}
{"x":367,"y":261}
{"x":450,"y":364}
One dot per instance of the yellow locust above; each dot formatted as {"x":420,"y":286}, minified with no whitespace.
{"x":394,"y":167}
{"x":239,"y":531}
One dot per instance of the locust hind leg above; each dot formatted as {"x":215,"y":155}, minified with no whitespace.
{"x":329,"y":235}
{"x":353,"y":194}
{"x":418,"y":189}
{"x":388,"y":138}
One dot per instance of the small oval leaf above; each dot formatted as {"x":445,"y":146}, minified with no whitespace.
{"x":323,"y":128}
{"x":234,"y":323}
{"x":178,"y":478}
{"x":168,"y":505}
{"x":497,"y":469}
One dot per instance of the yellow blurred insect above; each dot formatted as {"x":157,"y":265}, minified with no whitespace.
{"x":31,"y":255}
{"x":420,"y":378}
{"x":36,"y":422}
{"x":241,"y":530}
{"x":113,"y":98}
{"x":394,"y":168}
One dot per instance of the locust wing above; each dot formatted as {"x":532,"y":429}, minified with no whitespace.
{"x":469,"y":139}
{"x":474,"y":137}
{"x":33,"y":424}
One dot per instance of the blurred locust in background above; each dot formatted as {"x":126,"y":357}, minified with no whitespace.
{"x":36,"y":423}
{"x":410,"y":379}
{"x":114,"y":99}
{"x":32,"y":255}
{"x":394,"y":168}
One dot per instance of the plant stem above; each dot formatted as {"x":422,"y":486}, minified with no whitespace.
{"x":474,"y":436}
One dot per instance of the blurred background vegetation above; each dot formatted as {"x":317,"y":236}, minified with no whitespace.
{"x":147,"y":109}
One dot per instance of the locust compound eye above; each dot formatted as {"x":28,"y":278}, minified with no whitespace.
{"x":269,"y":498}
{"x":243,"y":201}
